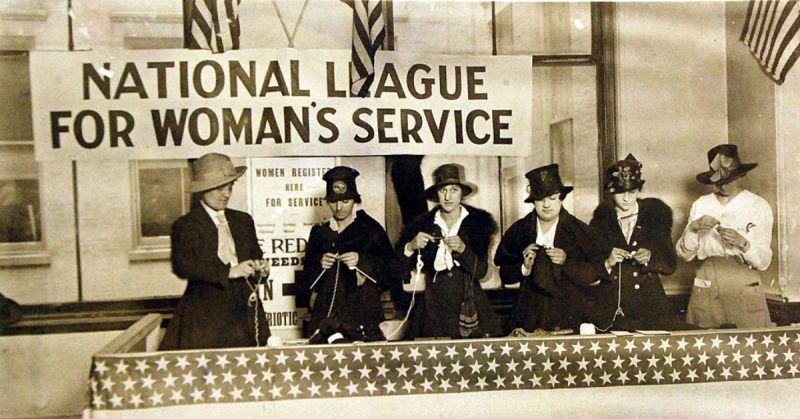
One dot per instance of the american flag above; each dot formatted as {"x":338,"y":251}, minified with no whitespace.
{"x":770,"y":31}
{"x":146,"y":380}
{"x":368,"y":34}
{"x":211,"y":24}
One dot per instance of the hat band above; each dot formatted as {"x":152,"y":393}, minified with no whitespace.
{"x":723,"y":167}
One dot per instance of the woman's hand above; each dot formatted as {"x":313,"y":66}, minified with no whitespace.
{"x":529,"y":255}
{"x":557,"y":256}
{"x":420,"y":240}
{"x":455,"y":244}
{"x":242,"y":270}
{"x":350,"y":259}
{"x":328,"y":259}
{"x":642,"y":256}
{"x":616,"y":256}
{"x":703,"y":224}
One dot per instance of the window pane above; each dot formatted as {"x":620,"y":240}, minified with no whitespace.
{"x":444,"y":27}
{"x":19,"y":211}
{"x":161,"y":199}
{"x":543,"y":28}
{"x":16,"y":123}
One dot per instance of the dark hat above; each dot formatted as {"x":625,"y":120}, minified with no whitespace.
{"x":624,"y":175}
{"x":545,"y":181}
{"x":341,"y":184}
{"x":213,"y":170}
{"x":724,"y":165}
{"x":448,"y":174}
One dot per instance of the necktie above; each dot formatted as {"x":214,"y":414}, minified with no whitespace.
{"x":226,"y":250}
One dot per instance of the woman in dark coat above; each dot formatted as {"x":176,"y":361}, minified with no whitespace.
{"x":453,"y":242}
{"x":216,"y":250}
{"x":634,"y":236}
{"x":551,"y":254}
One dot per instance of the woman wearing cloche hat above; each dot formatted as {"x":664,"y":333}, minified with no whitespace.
{"x":216,"y":250}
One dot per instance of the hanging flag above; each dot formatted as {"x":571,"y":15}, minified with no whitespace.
{"x":368,"y":33}
{"x":770,"y":31}
{"x":211,"y":24}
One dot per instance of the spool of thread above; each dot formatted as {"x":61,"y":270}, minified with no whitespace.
{"x":274,"y":341}
{"x":587,"y":329}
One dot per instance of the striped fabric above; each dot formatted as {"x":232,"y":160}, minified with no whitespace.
{"x":368,"y":34}
{"x":770,"y":31}
{"x":211,"y":24}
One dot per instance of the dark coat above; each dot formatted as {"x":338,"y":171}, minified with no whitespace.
{"x":436,"y":310}
{"x":214,"y":311}
{"x":353,"y":304}
{"x":643,"y":299}
{"x":552,"y":296}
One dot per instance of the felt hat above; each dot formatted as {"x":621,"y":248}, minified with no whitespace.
{"x":545,"y":181}
{"x":724,"y":165}
{"x":341,"y":184}
{"x":448,"y":174}
{"x":624,"y":175}
{"x":213,"y":170}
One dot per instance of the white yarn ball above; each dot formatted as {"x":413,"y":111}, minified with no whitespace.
{"x":274,"y":341}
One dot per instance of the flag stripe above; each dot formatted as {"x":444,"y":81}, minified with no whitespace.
{"x":368,"y":34}
{"x":771,"y":33}
{"x":214,"y":25}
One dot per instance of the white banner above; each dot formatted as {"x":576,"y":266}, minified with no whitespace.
{"x":163,"y":104}
{"x":287,"y":198}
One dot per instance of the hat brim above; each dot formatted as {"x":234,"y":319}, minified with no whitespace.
{"x":705,"y":177}
{"x":208,"y":184}
{"x":564,"y":191}
{"x":432,"y":193}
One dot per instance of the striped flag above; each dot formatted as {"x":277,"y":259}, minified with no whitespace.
{"x":770,"y":31}
{"x":368,"y":33}
{"x":211,"y":24}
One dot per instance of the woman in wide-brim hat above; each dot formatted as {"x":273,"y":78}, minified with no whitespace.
{"x":452,"y":241}
{"x":215,"y":249}
{"x":634,"y":236}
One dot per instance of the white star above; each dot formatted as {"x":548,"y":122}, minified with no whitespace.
{"x":236,"y":393}
{"x":529,"y":364}
{"x":587,"y":379}
{"x":658,"y":376}
{"x":344,"y":372}
{"x":197,"y":395}
{"x":476,"y":367}
{"x":668,"y":359}
{"x":582,"y":364}
{"x":702,"y":358}
{"x":535,"y":381}
{"x":563,"y":364}
{"x":227,"y":377}
{"x":268,"y":374}
{"x":177,"y":396}
{"x":357,"y":355}
{"x":499,"y":381}
{"x":676,"y":376}
{"x":98,"y":402}
{"x":261,"y":360}
{"x":548,"y":365}
{"x":771,"y":355}
{"x":682,"y":344}
{"x":776,"y":371}
{"x":709,"y":373}
{"x":396,"y":353}
{"x":524,"y":349}
{"x":408,"y":386}
{"x":577,"y":348}
{"x":797,"y":339}
{"x":141,"y":366}
{"x":760,"y":371}
{"x":595,"y":347}
{"x":541,"y":348}
{"x":750,"y":341}
{"x":275,"y":391}
{"x":570,"y":379}
{"x":445,"y":384}
{"x":202,"y":362}
{"x":665,"y":345}
{"x":737,"y":357}
{"x":517,"y":381}
{"x":692,"y":375}
{"x":371,"y":387}
{"x":100,"y":367}
{"x":300,"y":357}
{"x":222,"y":361}
{"x":338,"y":355}
{"x":733,"y":341}
{"x":129,"y":383}
{"x":743,"y":372}
{"x":438,"y":370}
{"x":210,"y":378}
{"x":376,"y":355}
{"x":755,"y":357}
{"x":169,"y":380}
{"x":469,"y":351}
{"x":699,"y":343}
{"x":612,"y":346}
{"x":492,"y":366}
{"x":419,"y":369}
{"x":352,"y":388}
{"x":726,"y":372}
{"x":687,"y":360}
{"x":242,"y":360}
{"x":389,"y":387}
{"x":333,"y":388}
{"x":314,"y":389}
{"x":647,"y":345}
{"x":183,"y":362}
{"x":427,"y":385}
{"x":255,"y":393}
{"x":512,"y":365}
{"x":402,"y":370}
{"x":456,"y":368}
{"x":414,"y":354}
{"x":249,"y":377}
{"x":319,"y":357}
{"x":721,"y":357}
{"x":147,"y":382}
{"x":327,"y":373}
{"x":288,"y":376}
{"x":116,"y":401}
{"x":634,"y":361}
{"x":617,"y":362}
{"x":599,"y":362}
{"x":784,"y":339}
{"x":716,"y":341}
{"x":606,"y":377}
{"x":630,"y":346}
{"x":653,"y":361}
{"x":487,"y":350}
{"x":107,"y":383}
{"x":560,"y":348}
{"x":640,"y":376}
{"x":432,"y":352}
{"x":216,"y":394}
{"x":463,"y":384}
{"x":481,"y":383}
{"x":553,"y":381}
{"x":788,"y":355}
{"x":136,"y":399}
{"x":793,"y":370}
{"x":294,"y":390}
{"x":382,"y":370}
{"x":767,"y":340}
{"x":281,"y":358}
{"x":505,"y":349}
